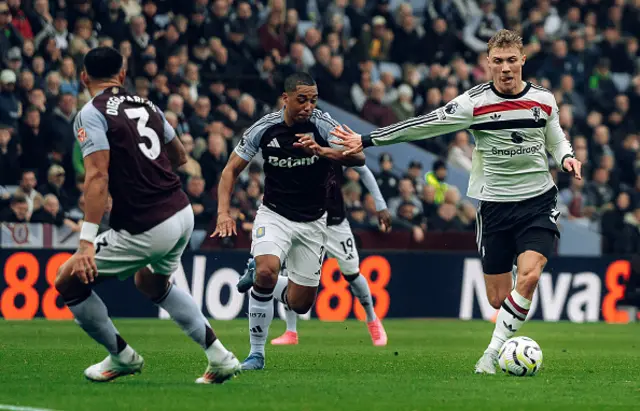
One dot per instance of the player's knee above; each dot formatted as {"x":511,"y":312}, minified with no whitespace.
{"x":151,"y":285}
{"x":495,"y":300}
{"x":267,"y":273}
{"x":350,"y":277}
{"x":62,"y":281}
{"x":300,"y":306}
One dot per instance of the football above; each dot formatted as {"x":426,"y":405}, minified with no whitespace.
{"x":520,"y":356}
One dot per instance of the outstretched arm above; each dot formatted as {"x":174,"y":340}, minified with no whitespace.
{"x":308,"y":143}
{"x":454,"y":116}
{"x":226,"y":226}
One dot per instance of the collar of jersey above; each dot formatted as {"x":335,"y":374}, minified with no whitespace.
{"x":511,"y":96}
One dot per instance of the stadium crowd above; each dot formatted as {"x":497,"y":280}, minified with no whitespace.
{"x":216,"y":66}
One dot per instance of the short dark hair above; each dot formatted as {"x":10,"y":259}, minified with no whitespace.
{"x":300,"y":78}
{"x":103,"y":62}
{"x":438,"y":164}
{"x":18,"y":198}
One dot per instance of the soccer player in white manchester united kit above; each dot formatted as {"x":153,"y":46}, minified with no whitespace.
{"x":515,"y":124}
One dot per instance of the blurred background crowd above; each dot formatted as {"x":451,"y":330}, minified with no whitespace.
{"x":216,"y":66}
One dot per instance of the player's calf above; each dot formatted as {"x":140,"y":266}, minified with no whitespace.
{"x":530,"y":266}
{"x":300,"y":298}
{"x":498,"y":287}
{"x":92,"y":316}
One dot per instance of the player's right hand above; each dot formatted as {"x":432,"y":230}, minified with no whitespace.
{"x":225,"y":226}
{"x":351,"y":140}
{"x":384,"y":220}
{"x":83,"y":263}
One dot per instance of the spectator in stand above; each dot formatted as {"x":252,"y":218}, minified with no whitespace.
{"x":407,"y":41}
{"x":54,"y":185}
{"x":599,"y":191}
{"x":213,"y":160}
{"x":409,"y":218}
{"x":414,"y":173}
{"x":10,"y":110}
{"x":336,"y":89}
{"x":51,"y":213}
{"x":572,"y":97}
{"x":602,"y":89}
{"x":375,"y":43}
{"x":428,"y":200}
{"x":446,"y":219}
{"x":460,"y":151}
{"x":467,"y":216}
{"x":374,"y":111}
{"x":403,"y":108}
{"x":407,"y":194}
{"x":33,"y":143}
{"x":18,"y":211}
{"x":272,"y":35}
{"x":9,"y":160}
{"x":436,"y":178}
{"x":27,"y":188}
{"x":386,"y":179}
{"x":558,"y":63}
{"x":202,"y":204}
{"x":201,"y":118}
{"x":577,"y":201}
{"x":612,"y":225}
{"x":10,"y":35}
{"x":482,"y":27}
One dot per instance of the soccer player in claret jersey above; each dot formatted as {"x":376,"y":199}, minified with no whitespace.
{"x":341,"y":245}
{"x":514,"y":123}
{"x":129,"y":150}
{"x":291,"y":224}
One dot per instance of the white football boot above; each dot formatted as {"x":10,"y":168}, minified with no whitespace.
{"x":487,"y":364}
{"x":217,"y":373}
{"x":114,"y":366}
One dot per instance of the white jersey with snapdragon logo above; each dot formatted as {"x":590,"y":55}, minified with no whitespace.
{"x":512,"y":132}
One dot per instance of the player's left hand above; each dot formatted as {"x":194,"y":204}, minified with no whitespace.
{"x":351,"y":140}
{"x":83,"y":263}
{"x":384,"y":220}
{"x":573,"y":167}
{"x":308,"y":144}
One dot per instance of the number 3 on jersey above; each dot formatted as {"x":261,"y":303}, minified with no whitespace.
{"x":142,"y":115}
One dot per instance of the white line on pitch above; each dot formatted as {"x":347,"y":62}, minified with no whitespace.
{"x":19,"y":408}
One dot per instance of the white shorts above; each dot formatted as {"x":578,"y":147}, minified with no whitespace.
{"x":300,"y":244}
{"x":342,"y":246}
{"x":160,"y":248}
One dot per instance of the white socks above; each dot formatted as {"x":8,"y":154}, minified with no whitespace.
{"x":511,"y":316}
{"x":260,"y":317}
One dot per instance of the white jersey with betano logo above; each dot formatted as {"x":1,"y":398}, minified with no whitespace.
{"x":513,"y":134}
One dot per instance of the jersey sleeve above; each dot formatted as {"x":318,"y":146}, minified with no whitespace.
{"x":249,"y":144}
{"x":90,"y":128}
{"x":169,"y":132}
{"x":325,"y":123}
{"x":371,"y":184}
{"x":454,"y":116}
{"x":556,"y":142}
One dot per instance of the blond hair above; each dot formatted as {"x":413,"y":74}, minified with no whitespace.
{"x":504,"y":39}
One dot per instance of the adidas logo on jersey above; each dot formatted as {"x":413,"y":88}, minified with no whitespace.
{"x":495,"y":116}
{"x":256,"y":330}
{"x":274,"y":143}
{"x":350,"y":257}
{"x":291,"y":162}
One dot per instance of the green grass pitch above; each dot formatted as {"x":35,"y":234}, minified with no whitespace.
{"x":426,"y":366}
